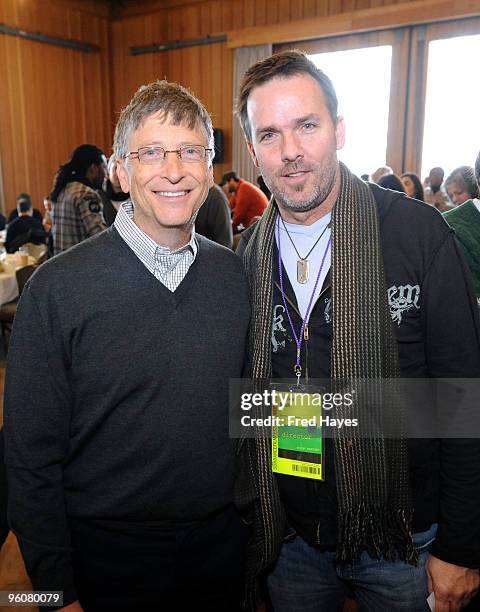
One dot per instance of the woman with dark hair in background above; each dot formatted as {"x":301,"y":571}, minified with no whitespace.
{"x":461,"y":185}
{"x":391,"y":181}
{"x":413,"y":185}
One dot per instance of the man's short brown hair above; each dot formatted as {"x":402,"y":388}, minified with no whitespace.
{"x":282,"y":65}
{"x":170,"y":100}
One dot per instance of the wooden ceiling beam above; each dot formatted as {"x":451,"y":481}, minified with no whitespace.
{"x":378,"y":18}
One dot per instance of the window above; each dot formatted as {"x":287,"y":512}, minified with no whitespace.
{"x":452,"y":120}
{"x":361,"y":78}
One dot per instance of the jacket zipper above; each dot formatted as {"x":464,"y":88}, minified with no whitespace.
{"x":306,"y":334}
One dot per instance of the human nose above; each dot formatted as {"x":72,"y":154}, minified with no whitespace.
{"x":291,"y":148}
{"x":172,"y":167}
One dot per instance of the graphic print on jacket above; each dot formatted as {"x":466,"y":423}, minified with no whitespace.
{"x":401,"y":299}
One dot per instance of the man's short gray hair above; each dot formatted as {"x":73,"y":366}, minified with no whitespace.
{"x":172,"y":101}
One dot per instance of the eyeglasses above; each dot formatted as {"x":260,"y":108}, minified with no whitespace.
{"x":156,"y":155}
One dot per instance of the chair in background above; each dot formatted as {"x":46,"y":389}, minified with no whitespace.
{"x":38,"y":251}
{"x":8,"y":310}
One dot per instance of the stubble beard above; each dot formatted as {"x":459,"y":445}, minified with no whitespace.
{"x":322,"y":188}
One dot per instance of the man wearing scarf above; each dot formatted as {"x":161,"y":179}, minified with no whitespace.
{"x":350,"y":281}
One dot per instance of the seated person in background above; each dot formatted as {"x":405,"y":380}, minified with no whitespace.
{"x":461,"y":185}
{"x":33,"y":211}
{"x":213,"y":219}
{"x":250,"y":202}
{"x":391,"y":181}
{"x":413,"y":186}
{"x":230,"y":194}
{"x":434,"y":194}
{"x":25,"y":228}
{"x":465,"y":220}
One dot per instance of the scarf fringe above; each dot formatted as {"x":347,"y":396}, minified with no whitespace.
{"x":382,"y":532}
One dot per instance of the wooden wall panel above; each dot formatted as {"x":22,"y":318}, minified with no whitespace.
{"x":52,"y":99}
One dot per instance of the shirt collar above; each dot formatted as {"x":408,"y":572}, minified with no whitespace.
{"x":141,"y":244}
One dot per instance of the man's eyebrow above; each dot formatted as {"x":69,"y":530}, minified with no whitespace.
{"x":309,"y":117}
{"x":298,"y":121}
{"x":268,"y":128}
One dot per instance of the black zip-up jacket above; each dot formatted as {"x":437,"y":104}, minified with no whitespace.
{"x":435,"y":319}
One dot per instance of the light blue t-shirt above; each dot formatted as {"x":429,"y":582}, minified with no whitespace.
{"x":304,"y":237}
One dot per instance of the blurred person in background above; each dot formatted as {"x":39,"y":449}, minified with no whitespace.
{"x":34,"y":212}
{"x":465,"y":220}
{"x":250,"y":201}
{"x":461,"y":185}
{"x":77,"y":206}
{"x":391,"y":181}
{"x":113,"y":191}
{"x":229,"y":193}
{"x":413,"y":185}
{"x":214,"y":219}
{"x":434,"y":194}
{"x":379,"y":172}
{"x":47,"y":220}
{"x":24,"y":228}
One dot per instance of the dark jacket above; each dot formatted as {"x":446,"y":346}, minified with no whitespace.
{"x":213,"y":218}
{"x":438,"y":337}
{"x":14,"y":215}
{"x":24,"y":229}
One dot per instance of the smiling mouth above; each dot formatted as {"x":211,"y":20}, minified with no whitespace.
{"x":295,"y":174}
{"x":172,"y":194}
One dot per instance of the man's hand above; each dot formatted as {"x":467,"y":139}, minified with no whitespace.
{"x":73,"y":607}
{"x":454,"y":586}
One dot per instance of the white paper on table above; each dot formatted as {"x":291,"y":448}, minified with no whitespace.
{"x":431,"y":601}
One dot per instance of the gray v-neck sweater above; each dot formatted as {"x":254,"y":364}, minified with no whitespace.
{"x":116,"y":403}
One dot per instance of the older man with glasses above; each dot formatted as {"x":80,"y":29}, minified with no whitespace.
{"x":119,"y":461}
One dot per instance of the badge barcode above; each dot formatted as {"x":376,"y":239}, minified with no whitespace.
{"x":305,"y":468}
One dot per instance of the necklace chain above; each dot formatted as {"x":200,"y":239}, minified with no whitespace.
{"x":310,"y":251}
{"x":298,"y":339}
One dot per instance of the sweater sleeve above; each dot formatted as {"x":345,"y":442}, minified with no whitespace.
{"x":37,"y":421}
{"x":453,"y":351}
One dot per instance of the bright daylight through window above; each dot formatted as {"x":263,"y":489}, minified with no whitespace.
{"x":361,"y":78}
{"x":451,"y":135}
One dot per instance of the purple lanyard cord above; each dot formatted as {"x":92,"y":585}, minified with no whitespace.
{"x":298,"y":339}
